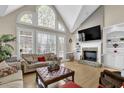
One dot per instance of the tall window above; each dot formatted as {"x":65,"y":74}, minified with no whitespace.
{"x":46,"y":43}
{"x":26,"y":18}
{"x":26,"y":41}
{"x":46,"y":17}
{"x":61,"y":46}
{"x":35,"y":38}
{"x":61,"y":27}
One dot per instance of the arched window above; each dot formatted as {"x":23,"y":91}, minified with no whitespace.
{"x":31,"y":27}
{"x":46,"y":17}
{"x":26,"y":18}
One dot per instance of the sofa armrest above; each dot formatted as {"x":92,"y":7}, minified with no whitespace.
{"x":17,"y":64}
{"x":111,"y":77}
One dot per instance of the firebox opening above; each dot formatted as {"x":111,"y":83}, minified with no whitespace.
{"x":90,"y":55}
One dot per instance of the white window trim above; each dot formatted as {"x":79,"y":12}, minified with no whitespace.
{"x":34,"y":26}
{"x":18,"y":40}
{"x":50,"y":6}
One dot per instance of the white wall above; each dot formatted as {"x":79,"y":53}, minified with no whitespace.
{"x":113,"y":14}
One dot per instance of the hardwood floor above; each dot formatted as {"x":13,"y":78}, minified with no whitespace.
{"x":85,"y":75}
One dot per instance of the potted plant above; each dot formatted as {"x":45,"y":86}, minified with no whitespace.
{"x":5,"y":48}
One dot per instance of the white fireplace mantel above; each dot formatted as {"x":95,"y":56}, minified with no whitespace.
{"x":93,"y":44}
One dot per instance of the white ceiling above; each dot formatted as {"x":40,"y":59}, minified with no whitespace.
{"x":3,"y":9}
{"x":69,"y":13}
{"x":12,"y":8}
{"x":6,"y":9}
{"x":73,"y":15}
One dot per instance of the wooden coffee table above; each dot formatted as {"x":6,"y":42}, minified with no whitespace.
{"x":44,"y":77}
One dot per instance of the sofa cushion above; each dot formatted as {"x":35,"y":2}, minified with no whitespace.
{"x":8,"y":71}
{"x":28,"y":58}
{"x":50,"y":56}
{"x":13,"y":77}
{"x":38,"y":64}
{"x":35,"y":57}
{"x":14,"y":84}
{"x":3,"y":65}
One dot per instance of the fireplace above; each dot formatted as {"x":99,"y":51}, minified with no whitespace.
{"x":90,"y":56}
{"x":91,"y":53}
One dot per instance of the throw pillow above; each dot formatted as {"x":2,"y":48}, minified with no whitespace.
{"x":101,"y":86}
{"x":51,"y":57}
{"x":70,"y":84}
{"x":4,"y":65}
{"x":8,"y":71}
{"x":28,"y":59}
{"x":41,"y":59}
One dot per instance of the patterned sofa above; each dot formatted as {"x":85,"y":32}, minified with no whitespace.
{"x":30,"y":61}
{"x":14,"y":80}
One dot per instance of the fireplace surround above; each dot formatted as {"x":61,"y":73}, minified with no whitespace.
{"x":90,"y":56}
{"x":91,"y":48}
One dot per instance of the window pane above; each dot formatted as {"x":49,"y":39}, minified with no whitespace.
{"x":46,"y":17}
{"x":26,"y":18}
{"x":61,"y":46}
{"x":61,"y":27}
{"x":25,"y":42}
{"x":46,"y":43}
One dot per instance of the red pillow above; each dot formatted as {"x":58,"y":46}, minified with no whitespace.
{"x":41,"y":59}
{"x":70,"y":84}
{"x":101,"y":86}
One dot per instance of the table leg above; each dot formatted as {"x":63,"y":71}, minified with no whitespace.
{"x":39,"y":82}
{"x":36,"y":77}
{"x":46,"y":86}
{"x":73,"y":77}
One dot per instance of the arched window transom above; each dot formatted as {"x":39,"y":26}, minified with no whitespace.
{"x":26,"y":18}
{"x":46,"y":17}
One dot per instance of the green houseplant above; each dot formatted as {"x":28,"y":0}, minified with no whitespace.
{"x":5,"y":48}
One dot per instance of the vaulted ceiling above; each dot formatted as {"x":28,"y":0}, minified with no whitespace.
{"x":73,"y":15}
{"x":69,"y":13}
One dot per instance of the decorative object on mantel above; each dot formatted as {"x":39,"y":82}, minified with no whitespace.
{"x":70,"y":40}
{"x":53,"y":66}
{"x":115,"y":51}
{"x":115,"y":45}
{"x":5,"y":48}
{"x":109,"y":40}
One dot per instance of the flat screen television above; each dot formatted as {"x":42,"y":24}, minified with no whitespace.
{"x":93,"y":33}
